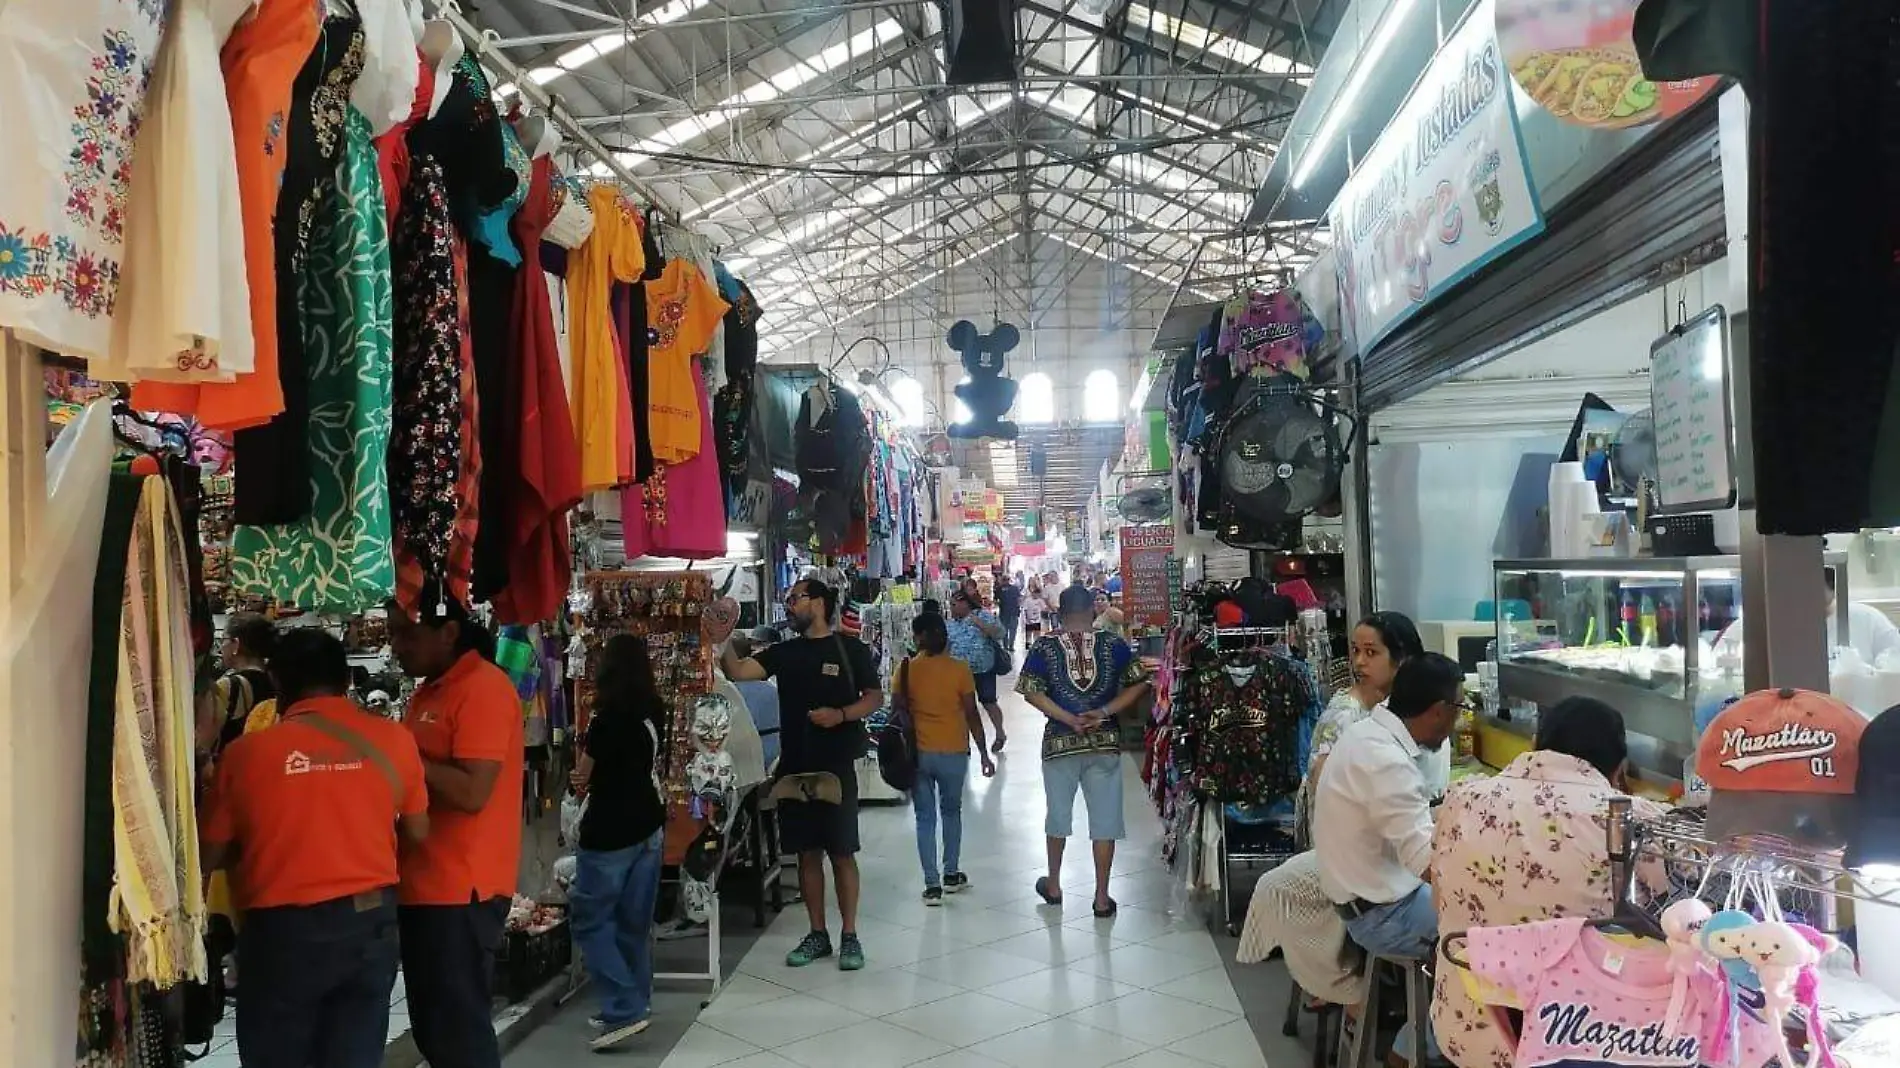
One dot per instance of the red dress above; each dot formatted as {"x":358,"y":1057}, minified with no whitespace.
{"x":540,"y":560}
{"x":392,"y":148}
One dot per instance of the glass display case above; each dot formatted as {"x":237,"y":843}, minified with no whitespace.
{"x":1651,"y":637}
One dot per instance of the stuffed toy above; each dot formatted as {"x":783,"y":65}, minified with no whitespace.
{"x":1784,"y":956}
{"x":987,"y":394}
{"x":1682,"y":925}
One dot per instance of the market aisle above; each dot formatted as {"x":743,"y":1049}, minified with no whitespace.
{"x":991,"y":978}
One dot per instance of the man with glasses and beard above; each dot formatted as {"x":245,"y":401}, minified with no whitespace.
{"x":827,"y":685}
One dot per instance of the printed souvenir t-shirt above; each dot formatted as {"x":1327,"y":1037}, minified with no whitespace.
{"x":683,"y":310}
{"x":934,"y":687}
{"x":470,"y":712}
{"x":811,"y":674}
{"x":1589,"y":1001}
{"x":313,"y":819}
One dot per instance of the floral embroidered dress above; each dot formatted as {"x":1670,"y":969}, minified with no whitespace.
{"x":73,"y":75}
{"x":1081,"y":673}
{"x":1525,"y":846}
{"x":425,"y":452}
{"x":339,"y":558}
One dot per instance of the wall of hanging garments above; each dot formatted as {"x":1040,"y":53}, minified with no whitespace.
{"x":423,"y":340}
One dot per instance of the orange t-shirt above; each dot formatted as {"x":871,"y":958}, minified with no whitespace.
{"x":683,"y":311}
{"x":312,"y":819}
{"x":470,"y":712}
{"x":935,"y":687}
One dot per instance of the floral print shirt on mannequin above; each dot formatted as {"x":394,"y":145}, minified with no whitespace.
{"x":75,"y":81}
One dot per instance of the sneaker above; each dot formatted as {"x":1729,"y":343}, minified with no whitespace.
{"x":955,"y":882}
{"x":933,"y":896}
{"x":816,"y":946}
{"x":610,"y":1036}
{"x":850,"y":954}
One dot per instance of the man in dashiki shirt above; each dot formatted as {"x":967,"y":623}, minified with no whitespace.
{"x":1081,"y":679}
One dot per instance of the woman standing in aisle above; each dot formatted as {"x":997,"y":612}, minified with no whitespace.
{"x":622,"y":835}
{"x":1380,"y":643}
{"x":937,"y":692}
{"x":1033,"y":607}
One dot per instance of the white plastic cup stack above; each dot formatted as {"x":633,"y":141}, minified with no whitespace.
{"x":1565,"y":539}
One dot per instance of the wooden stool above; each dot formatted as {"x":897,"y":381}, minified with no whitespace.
{"x":1361,"y":1047}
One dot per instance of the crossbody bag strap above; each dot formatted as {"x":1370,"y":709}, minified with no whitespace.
{"x":362,"y":747}
{"x":850,"y":677}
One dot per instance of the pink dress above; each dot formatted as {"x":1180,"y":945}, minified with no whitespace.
{"x":691,"y":523}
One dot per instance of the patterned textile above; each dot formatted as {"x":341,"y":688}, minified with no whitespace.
{"x":1081,"y":673}
{"x":1243,"y":725}
{"x":1289,"y":911}
{"x":339,"y":559}
{"x":75,"y":85}
{"x":1525,"y":846}
{"x":157,"y":902}
{"x":100,"y":952}
{"x":491,"y":229}
{"x":425,"y":444}
{"x":468,"y":484}
{"x":968,"y":643}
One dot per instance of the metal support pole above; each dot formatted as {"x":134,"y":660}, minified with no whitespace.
{"x":1783,"y":598}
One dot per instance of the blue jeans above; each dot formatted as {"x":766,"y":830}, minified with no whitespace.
{"x":612,"y":906}
{"x":1407,"y":929}
{"x":939,"y":789}
{"x":317,"y":982}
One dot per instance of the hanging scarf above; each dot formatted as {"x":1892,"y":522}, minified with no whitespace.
{"x":158,"y":903}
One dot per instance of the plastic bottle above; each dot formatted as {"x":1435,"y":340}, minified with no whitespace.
{"x":1646,"y":614}
{"x":1628,"y":616}
{"x":1666,"y":623}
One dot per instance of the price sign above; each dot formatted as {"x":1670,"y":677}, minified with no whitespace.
{"x":1150,"y":586}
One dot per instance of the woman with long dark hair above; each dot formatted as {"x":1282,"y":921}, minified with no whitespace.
{"x":622,"y":838}
{"x":1380,"y":643}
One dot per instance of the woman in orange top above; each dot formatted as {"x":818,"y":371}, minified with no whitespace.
{"x":612,"y":254}
{"x":260,"y":61}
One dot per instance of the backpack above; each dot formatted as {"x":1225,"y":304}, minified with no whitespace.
{"x":897,"y":742}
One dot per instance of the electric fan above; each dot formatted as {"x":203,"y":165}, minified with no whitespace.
{"x":1279,"y":458}
{"x":1145,"y":505}
{"x":1633,"y":454}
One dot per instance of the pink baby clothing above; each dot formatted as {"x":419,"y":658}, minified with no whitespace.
{"x":1590,"y":1001}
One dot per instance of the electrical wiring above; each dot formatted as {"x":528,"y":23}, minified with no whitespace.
{"x":1125,"y":148}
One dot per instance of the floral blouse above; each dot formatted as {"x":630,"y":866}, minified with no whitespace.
{"x":1525,"y":846}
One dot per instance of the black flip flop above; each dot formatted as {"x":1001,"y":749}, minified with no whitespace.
{"x":1106,"y":913}
{"x":1042,"y":891}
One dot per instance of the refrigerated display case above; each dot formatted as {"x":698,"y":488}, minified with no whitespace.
{"x":1639,"y":634}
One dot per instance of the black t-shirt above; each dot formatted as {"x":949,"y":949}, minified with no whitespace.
{"x":811,"y":673}
{"x":623,"y":806}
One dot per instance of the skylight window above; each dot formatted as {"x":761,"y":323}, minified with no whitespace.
{"x":1228,"y":48}
{"x":796,"y":76}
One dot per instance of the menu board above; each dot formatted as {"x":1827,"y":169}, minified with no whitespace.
{"x":1146,"y":589}
{"x":1688,"y":384}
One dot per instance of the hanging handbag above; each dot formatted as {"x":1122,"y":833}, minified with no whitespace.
{"x":897,"y":742}
{"x":573,"y":221}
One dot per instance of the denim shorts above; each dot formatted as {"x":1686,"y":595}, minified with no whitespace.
{"x":1099,"y":777}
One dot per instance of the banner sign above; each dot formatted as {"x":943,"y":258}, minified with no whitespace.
{"x":1146,"y":592}
{"x":1444,"y":190}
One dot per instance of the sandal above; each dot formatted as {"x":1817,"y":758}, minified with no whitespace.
{"x":1042,"y":891}
{"x":1105,"y":913}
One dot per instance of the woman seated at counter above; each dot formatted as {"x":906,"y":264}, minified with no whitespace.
{"x":1524,"y":846}
{"x":1380,"y":643}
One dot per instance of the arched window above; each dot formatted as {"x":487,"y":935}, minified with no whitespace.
{"x":908,"y":394}
{"x":961,"y":411}
{"x":1102,"y":398}
{"x":1036,"y":399}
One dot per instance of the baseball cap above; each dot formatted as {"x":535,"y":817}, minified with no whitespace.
{"x":1783,"y":762}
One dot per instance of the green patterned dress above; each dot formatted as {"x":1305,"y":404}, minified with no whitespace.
{"x":339,"y":558}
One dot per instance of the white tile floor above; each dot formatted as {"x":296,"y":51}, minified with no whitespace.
{"x":994,"y":977}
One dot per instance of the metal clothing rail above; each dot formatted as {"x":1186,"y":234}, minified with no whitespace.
{"x":487,"y":49}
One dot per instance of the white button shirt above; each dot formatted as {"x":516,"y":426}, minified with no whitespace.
{"x":1372,"y":817}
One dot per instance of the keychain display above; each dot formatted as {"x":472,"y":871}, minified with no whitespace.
{"x":667,"y":609}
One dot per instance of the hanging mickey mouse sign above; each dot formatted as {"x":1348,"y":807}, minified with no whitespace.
{"x":987,"y":394}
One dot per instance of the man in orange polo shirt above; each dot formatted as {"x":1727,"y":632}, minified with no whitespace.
{"x":308,"y":814}
{"x":458,"y":885}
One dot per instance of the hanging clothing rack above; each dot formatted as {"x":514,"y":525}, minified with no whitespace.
{"x":487,"y":53}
